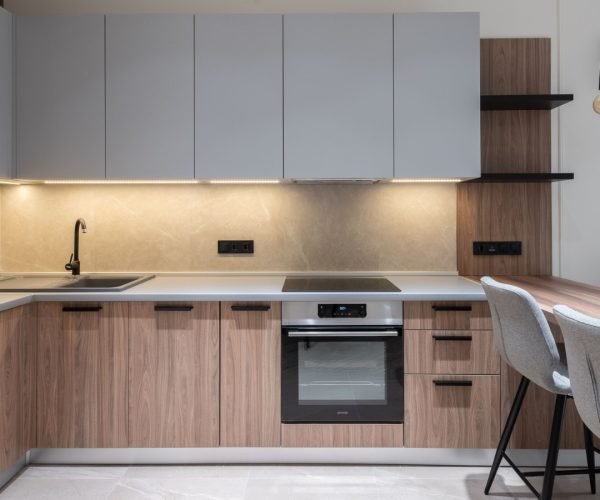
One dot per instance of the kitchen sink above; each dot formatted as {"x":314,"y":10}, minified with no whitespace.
{"x":72,"y":284}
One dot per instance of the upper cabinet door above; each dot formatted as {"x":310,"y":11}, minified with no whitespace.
{"x":338,"y":96}
{"x":436,"y":95}
{"x":150,"y":97}
{"x":60,"y":97}
{"x":239,"y":108}
{"x":6,"y":94}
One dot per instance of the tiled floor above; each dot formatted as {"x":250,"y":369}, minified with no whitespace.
{"x":273,"y":482}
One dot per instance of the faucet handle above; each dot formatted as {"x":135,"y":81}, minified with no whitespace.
{"x":69,"y":265}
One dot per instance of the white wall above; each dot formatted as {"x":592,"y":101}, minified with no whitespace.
{"x":571,"y":24}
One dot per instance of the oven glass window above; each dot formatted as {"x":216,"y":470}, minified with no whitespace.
{"x":350,"y":372}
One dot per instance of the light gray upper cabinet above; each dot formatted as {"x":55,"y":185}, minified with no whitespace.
{"x":150,"y":96}
{"x":60,"y":97}
{"x":239,"y":108}
{"x":6,"y":94}
{"x":437,"y":97}
{"x":338,"y":96}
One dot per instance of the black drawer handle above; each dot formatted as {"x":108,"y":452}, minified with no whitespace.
{"x":453,"y":338}
{"x":453,"y":383}
{"x":451,"y":308}
{"x":173,"y":308}
{"x":83,"y":309}
{"x":250,"y":308}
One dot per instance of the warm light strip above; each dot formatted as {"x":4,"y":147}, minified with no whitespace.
{"x":9,"y":182}
{"x":432,"y":180}
{"x":244,"y":181}
{"x":68,"y":181}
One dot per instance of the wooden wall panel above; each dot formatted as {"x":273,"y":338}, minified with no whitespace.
{"x":497,"y":212}
{"x":511,"y":142}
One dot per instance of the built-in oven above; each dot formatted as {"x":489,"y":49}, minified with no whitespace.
{"x":342,"y":362}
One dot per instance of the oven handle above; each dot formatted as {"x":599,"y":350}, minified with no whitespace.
{"x":383,"y":333}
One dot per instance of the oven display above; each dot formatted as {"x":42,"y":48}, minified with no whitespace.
{"x":342,"y":310}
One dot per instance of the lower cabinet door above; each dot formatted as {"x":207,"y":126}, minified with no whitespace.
{"x":250,"y":374}
{"x":17,"y":384}
{"x":82,"y":375}
{"x":174,"y":375}
{"x":452,"y":411}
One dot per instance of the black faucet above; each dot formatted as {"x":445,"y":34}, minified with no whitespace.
{"x":74,"y":264}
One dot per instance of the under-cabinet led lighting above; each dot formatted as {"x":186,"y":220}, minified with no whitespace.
{"x":10,"y":182}
{"x":244,"y":181}
{"x":72,"y":181}
{"x":427,"y":180}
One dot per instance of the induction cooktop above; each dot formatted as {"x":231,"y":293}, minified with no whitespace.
{"x":338,"y":284}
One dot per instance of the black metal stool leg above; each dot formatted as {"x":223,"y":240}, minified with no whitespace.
{"x":507,"y":432}
{"x":589,"y":453}
{"x":553,"y":447}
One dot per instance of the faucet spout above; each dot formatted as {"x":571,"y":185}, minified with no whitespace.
{"x":74,"y":264}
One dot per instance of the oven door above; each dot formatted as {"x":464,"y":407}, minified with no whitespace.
{"x":342,"y":374}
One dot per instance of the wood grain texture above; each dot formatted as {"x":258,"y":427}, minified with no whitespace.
{"x":173,"y":376}
{"x":424,"y":354}
{"x":515,"y":65}
{"x":342,"y":435}
{"x":451,"y":417}
{"x":82,"y":376}
{"x":17,"y":383}
{"x":250,"y":376}
{"x":511,"y":142}
{"x":505,"y":212}
{"x":422,"y":316}
{"x":532,"y":429}
{"x":549,"y":291}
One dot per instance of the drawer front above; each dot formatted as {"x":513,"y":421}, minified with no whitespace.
{"x":450,"y":352}
{"x":445,"y":412}
{"x":447,"y":316}
{"x":342,"y":435}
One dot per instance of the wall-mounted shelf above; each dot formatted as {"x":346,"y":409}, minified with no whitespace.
{"x":524,"y":101}
{"x":527,"y":177}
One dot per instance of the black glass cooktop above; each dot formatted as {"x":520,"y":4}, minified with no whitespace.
{"x":338,"y":284}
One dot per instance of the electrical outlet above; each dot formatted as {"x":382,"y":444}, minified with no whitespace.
{"x":497,"y":248}
{"x":236,"y":246}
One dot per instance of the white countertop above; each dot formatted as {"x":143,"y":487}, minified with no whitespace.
{"x":256,"y":288}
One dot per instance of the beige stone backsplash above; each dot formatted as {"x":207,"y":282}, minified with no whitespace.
{"x":172,"y":228}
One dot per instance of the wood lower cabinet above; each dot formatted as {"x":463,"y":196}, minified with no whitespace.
{"x":447,"y":316}
{"x":445,"y":412}
{"x":174,"y":375}
{"x":450,"y":352}
{"x":342,"y":435}
{"x":17,"y":383}
{"x":82,"y":375}
{"x":250,"y":374}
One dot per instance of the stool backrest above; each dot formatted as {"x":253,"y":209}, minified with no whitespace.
{"x":582,"y":341}
{"x":523,"y":335}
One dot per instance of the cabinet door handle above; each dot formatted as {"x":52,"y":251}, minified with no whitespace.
{"x":453,"y":338}
{"x":453,"y":383}
{"x":74,"y":309}
{"x":173,"y":308}
{"x":451,"y":308}
{"x":258,"y":308}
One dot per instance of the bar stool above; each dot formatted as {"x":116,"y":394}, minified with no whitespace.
{"x":525,"y":342}
{"x":582,"y":340}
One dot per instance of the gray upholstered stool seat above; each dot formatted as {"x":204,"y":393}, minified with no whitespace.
{"x":525,"y":342}
{"x":582,"y":340}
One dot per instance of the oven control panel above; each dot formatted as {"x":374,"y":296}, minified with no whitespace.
{"x":342,"y":310}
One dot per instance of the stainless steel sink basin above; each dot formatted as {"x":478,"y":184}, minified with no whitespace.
{"x":71,"y":284}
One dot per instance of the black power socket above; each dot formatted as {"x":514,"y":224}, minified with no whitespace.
{"x":235,"y":246}
{"x":497,"y":248}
